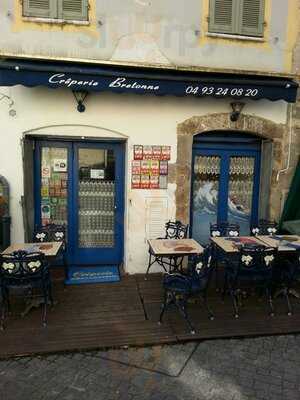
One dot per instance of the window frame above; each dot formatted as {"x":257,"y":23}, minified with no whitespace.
{"x":56,"y":14}
{"x":236,"y":29}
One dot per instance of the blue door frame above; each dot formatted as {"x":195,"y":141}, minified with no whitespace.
{"x":75,"y":255}
{"x":225,"y":151}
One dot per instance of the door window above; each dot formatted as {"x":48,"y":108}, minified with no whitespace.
{"x":240,"y":192}
{"x":96,"y":197}
{"x":54,"y":185}
{"x":205,"y":194}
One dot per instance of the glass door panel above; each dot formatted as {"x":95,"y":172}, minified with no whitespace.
{"x":54,"y":185}
{"x":205,"y":195}
{"x":240,"y":192}
{"x":96,"y":198}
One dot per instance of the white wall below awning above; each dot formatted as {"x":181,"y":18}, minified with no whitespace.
{"x":139,"y":119}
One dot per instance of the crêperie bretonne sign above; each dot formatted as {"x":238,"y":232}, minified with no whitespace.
{"x":158,"y":87}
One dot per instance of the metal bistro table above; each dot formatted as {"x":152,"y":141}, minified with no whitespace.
{"x":50,"y":250}
{"x":173,"y":249}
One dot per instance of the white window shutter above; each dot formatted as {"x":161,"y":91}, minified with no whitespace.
{"x":221,"y":16}
{"x":156,"y":217}
{"x":251,"y":18}
{"x":76,"y":10}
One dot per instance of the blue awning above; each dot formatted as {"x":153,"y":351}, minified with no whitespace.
{"x":92,"y":78}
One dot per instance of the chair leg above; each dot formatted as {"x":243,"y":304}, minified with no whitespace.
{"x":286,"y":294}
{"x":164,"y":306}
{"x":208,"y":309}
{"x":270,"y":301}
{"x":181,"y":305}
{"x":225,"y":287}
{"x":45,"y":295}
{"x":3,"y":307}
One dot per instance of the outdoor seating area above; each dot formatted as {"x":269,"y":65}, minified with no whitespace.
{"x":259,"y":294}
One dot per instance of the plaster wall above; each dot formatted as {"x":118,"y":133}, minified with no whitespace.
{"x":167,"y":33}
{"x":138,"y":119}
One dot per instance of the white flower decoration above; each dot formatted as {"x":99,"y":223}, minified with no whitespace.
{"x":216,"y":233}
{"x":34,"y":265}
{"x":247,"y":260}
{"x":268,"y":259}
{"x":255,"y":231}
{"x":40,"y":236}
{"x":59,"y":235}
{"x":272,"y":230}
{"x":233,"y":233}
{"x":199,"y":267}
{"x":9,"y":267}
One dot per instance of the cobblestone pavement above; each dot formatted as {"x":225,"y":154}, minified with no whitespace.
{"x":247,"y":369}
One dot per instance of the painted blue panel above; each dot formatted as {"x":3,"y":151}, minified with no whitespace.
{"x":95,"y":274}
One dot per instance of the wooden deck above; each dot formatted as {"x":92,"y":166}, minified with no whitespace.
{"x":125,"y":314}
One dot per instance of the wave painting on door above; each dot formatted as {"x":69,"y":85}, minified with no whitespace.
{"x":205,"y":195}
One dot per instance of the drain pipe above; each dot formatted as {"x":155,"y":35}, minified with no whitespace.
{"x":282,"y":171}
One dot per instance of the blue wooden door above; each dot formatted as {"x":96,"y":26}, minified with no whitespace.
{"x":225,"y":186}
{"x":81,"y":185}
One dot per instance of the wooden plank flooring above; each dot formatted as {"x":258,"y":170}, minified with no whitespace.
{"x":126,"y":314}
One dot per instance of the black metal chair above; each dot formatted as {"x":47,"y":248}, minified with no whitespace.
{"x":53,"y":233}
{"x":26,"y":271}
{"x":264,"y":227}
{"x":174,"y":230}
{"x":224,"y":229}
{"x":179,"y":287}
{"x":288,"y":275}
{"x":255,"y":265}
{"x":221,"y":229}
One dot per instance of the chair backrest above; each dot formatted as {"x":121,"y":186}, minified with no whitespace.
{"x":201,"y":266}
{"x":222,"y":229}
{"x":264,"y":227}
{"x":257,"y":258}
{"x":50,"y":233}
{"x":21,"y":265}
{"x":176,"y":230}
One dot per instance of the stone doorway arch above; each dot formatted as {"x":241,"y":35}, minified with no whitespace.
{"x":260,"y":127}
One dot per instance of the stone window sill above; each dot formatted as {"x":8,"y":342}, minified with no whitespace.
{"x":235,"y":37}
{"x":55,"y":21}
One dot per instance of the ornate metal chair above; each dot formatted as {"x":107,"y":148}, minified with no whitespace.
{"x":256,"y":265}
{"x":222,"y":229}
{"x":26,"y":271}
{"x":53,"y":233}
{"x":174,"y":230}
{"x":264,"y":227}
{"x":179,"y":287}
{"x":288,"y":275}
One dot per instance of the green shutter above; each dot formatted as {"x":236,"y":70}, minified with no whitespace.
{"x":251,"y":20}
{"x":221,"y":16}
{"x":76,"y":10}
{"x":40,"y":8}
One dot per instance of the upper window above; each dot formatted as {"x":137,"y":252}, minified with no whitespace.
{"x":237,"y":17}
{"x":74,"y":10}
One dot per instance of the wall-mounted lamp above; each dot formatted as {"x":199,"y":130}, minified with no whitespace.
{"x":80,"y":99}
{"x":237,"y":108}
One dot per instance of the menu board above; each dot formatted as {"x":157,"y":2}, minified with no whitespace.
{"x":149,"y":167}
